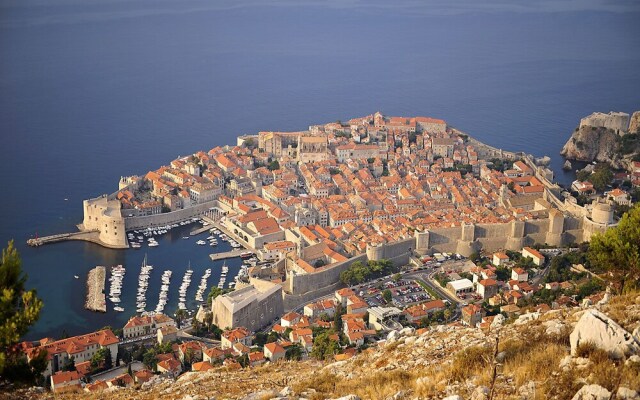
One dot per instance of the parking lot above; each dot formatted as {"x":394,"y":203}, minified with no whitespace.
{"x":404,"y":293}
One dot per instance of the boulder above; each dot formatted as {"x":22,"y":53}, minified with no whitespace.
{"x":526,"y":318}
{"x":634,"y":359}
{"x":497,"y":322}
{"x":527,"y":390}
{"x":605,"y":333}
{"x":592,"y":392}
{"x":392,"y":335}
{"x":407,"y":331}
{"x":348,"y":397}
{"x":627,"y":394}
{"x":554,"y":327}
{"x":481,"y":393}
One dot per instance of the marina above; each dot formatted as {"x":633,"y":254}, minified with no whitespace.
{"x":164,"y":290}
{"x":203,"y":285}
{"x":95,"y":290}
{"x":115,"y":287}
{"x":186,"y":281}
{"x":143,"y":284}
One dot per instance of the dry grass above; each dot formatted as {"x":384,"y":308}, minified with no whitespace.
{"x":469,"y":362}
{"x":376,"y":385}
{"x":624,"y":310}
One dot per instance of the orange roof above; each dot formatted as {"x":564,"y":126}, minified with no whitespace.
{"x":170,"y":364}
{"x":124,"y":378}
{"x":274,"y":348}
{"x":65,"y":376}
{"x":76,"y":344}
{"x":143,"y":375}
{"x":96,"y":386}
{"x":201,"y":366}
{"x":235,"y":334}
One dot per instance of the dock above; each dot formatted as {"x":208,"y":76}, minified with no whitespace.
{"x":200,"y":230}
{"x":227,"y":254}
{"x":96,"y":299}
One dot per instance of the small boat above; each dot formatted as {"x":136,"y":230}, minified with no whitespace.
{"x":185,"y":237}
{"x":201,"y":242}
{"x":119,"y":309}
{"x":153,"y":244}
{"x":246,"y":254}
{"x":76,"y":276}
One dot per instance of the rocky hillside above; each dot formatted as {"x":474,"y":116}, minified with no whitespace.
{"x":593,"y":144}
{"x":604,"y":145}
{"x":582,"y":353}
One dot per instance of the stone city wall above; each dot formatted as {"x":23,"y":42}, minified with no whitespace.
{"x":304,"y":283}
{"x":170,"y":217}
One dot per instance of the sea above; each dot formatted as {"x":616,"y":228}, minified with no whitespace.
{"x":92,"y":91}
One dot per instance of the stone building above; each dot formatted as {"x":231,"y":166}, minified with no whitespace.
{"x":252,"y":307}
{"x":616,"y":121}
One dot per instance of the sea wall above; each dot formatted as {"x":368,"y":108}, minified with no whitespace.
{"x":172,"y":217}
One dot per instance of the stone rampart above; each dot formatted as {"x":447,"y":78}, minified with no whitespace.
{"x":150,"y":221}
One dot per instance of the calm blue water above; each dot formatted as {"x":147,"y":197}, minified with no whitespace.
{"x":90,"y":92}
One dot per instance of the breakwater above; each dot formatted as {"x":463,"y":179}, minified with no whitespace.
{"x":96,"y":299}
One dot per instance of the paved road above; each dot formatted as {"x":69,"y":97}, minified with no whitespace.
{"x":427,"y":278}
{"x":105,"y":376}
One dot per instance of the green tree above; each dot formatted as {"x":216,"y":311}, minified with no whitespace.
{"x":180,"y":316}
{"x":387,"y":296}
{"x":602,"y":176}
{"x":337,"y":317}
{"x":149,"y":360}
{"x":324,"y":347}
{"x":250,"y":143}
{"x":274,"y":165}
{"x":583,"y":175}
{"x":69,"y":364}
{"x":19,"y":308}
{"x":259,"y":339}
{"x":215,"y":292}
{"x":618,"y":251}
{"x":101,"y":360}
{"x":293,"y":352}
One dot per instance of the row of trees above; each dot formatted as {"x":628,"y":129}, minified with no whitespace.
{"x":359,"y":272}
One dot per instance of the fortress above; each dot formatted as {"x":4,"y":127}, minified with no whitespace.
{"x":616,"y":121}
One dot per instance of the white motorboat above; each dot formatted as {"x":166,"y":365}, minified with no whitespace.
{"x":201,"y":242}
{"x":119,"y":309}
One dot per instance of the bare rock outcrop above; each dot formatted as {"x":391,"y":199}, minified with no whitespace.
{"x":597,"y":328}
{"x":592,"y":392}
{"x":592,"y":144}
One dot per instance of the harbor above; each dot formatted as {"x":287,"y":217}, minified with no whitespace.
{"x":96,"y":299}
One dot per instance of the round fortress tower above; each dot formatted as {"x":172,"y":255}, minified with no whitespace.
{"x":375,"y":251}
{"x":602,"y":214}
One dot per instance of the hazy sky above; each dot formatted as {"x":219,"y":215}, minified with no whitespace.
{"x":74,"y":11}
